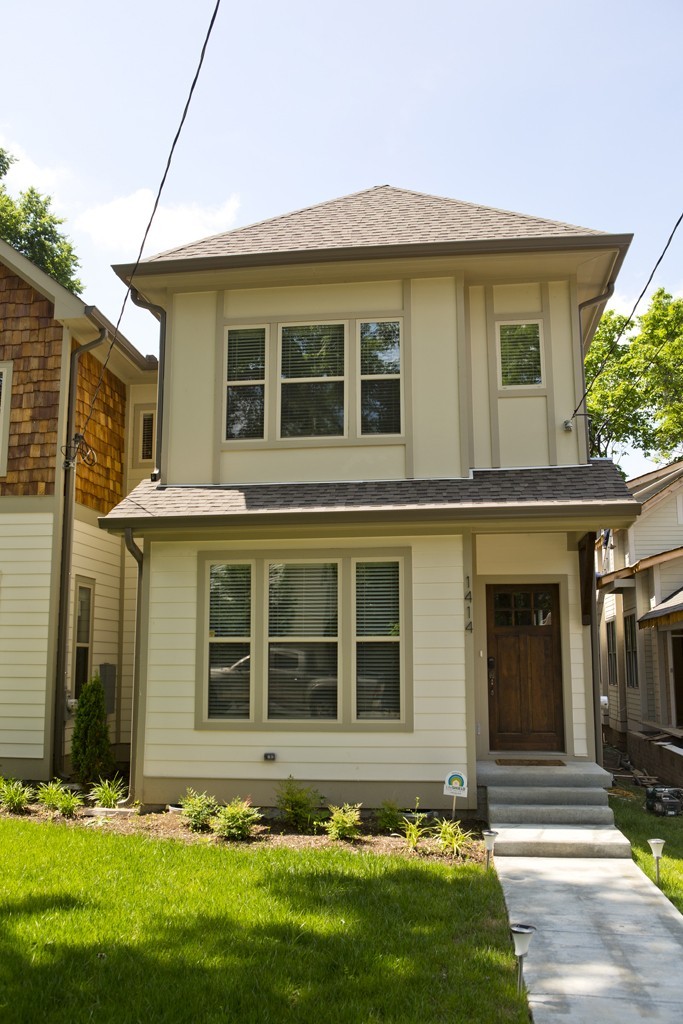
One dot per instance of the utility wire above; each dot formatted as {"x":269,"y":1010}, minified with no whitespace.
{"x":152,"y":215}
{"x":629,"y":321}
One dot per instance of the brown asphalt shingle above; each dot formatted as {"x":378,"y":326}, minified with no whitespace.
{"x":380,"y":216}
{"x":536,"y":490}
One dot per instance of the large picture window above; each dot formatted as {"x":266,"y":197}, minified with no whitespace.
{"x":304,"y":640}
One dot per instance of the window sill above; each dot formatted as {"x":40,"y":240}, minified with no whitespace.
{"x":301,"y":725}
{"x":314,"y":442}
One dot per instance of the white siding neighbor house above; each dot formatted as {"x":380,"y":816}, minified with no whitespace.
{"x":366,"y":556}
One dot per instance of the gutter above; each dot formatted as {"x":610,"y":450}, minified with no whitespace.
{"x":160,"y":313}
{"x":65,"y":555}
{"x":137,"y":554}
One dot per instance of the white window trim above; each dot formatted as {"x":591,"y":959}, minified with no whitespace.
{"x":346,"y":640}
{"x":226,"y":383}
{"x":304,"y":380}
{"x":522,"y":388}
{"x":6,"y":373}
{"x":360,"y":377}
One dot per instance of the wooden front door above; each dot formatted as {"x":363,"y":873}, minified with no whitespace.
{"x":524,"y":667}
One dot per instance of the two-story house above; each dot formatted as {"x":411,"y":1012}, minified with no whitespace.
{"x":640,"y":599}
{"x":67,"y":590}
{"x":368,"y":552}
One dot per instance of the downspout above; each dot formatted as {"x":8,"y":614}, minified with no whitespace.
{"x":65,"y":558}
{"x":595,"y":638}
{"x":137,"y":554}
{"x":160,"y":312}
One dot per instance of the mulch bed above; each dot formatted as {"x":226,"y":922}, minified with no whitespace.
{"x":171,"y":826}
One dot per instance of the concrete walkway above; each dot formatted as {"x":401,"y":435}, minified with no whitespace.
{"x":608,"y":945}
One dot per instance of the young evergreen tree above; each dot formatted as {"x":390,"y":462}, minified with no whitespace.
{"x":91,"y":756}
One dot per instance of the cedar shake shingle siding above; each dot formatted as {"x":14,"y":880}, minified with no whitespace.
{"x":31,"y":339}
{"x":100,"y":487}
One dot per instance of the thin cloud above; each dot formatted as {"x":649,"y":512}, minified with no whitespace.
{"x":25,"y":173}
{"x":118,"y":226}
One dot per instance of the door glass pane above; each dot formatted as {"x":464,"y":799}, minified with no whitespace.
{"x":523,"y":617}
{"x":502,"y":617}
{"x":522,"y":599}
{"x":542,"y":608}
{"x":502,"y":600}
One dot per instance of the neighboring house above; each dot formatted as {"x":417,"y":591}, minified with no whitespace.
{"x":368,"y":553}
{"x":640,"y":595}
{"x":67,"y":590}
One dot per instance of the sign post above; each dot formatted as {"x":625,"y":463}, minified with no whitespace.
{"x":455,"y":785}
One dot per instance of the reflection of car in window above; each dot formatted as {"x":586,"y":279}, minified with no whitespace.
{"x":295,"y":689}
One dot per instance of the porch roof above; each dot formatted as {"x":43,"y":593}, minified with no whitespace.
{"x":666,"y":613}
{"x":596,"y":489}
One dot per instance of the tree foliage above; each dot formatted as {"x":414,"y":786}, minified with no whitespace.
{"x":635,"y":397}
{"x":30,"y":226}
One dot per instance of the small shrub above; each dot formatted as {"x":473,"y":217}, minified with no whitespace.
{"x":450,"y":836}
{"x":108,"y":792}
{"x":15,"y":796}
{"x":413,"y":831}
{"x":69,"y":802}
{"x":198,"y":809}
{"x":236,"y":820}
{"x":50,"y":793}
{"x":91,"y":756}
{"x":388,"y":817}
{"x":299,"y":804}
{"x":344,"y":822}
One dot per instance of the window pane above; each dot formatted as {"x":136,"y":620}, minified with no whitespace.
{"x":81,"y":669}
{"x":520,"y":354}
{"x":229,"y":677}
{"x":230,"y":600}
{"x":380,"y":348}
{"x":380,"y":406}
{"x":377,"y":603}
{"x":542,"y":608}
{"x":302,"y":680}
{"x":302,"y":600}
{"x":313,"y":410}
{"x":147,"y":438}
{"x":378,"y":680}
{"x":315,"y":350}
{"x":83,"y":620}
{"x":247,"y":354}
{"x":244,"y":416}
{"x":503,"y":600}
{"x":522,"y":599}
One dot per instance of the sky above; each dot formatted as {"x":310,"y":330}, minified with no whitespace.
{"x":564,"y":110}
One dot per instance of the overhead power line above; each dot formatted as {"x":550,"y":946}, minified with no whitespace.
{"x":153,"y":213}
{"x":629,"y":321}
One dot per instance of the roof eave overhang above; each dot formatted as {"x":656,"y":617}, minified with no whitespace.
{"x":585,"y":516}
{"x":552,"y":243}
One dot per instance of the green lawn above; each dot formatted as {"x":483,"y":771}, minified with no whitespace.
{"x":638,"y":825}
{"x":106,"y":928}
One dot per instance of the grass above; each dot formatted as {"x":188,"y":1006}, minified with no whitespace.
{"x":109,"y":928}
{"x":639,"y":825}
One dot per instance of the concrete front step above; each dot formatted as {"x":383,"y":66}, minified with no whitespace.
{"x":549,"y":814}
{"x":574,"y":795}
{"x":559,"y":841}
{"x":570,"y":776}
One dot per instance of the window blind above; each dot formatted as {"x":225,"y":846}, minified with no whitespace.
{"x":520,"y":354}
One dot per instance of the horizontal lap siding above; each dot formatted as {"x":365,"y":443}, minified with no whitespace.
{"x":25,"y":576}
{"x":438,"y":740}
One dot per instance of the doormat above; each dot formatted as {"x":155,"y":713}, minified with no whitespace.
{"x":520,"y":763}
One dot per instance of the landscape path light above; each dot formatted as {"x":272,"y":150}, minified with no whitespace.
{"x":522,"y":935}
{"x":657,"y":845}
{"x":490,"y":841}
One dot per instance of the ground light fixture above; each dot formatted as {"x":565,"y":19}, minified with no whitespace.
{"x":522,"y":935}
{"x":657,"y":845}
{"x":490,"y":841}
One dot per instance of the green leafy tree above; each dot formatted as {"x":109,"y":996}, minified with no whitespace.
{"x":30,"y":226}
{"x":635,"y":397}
{"x":91,"y":756}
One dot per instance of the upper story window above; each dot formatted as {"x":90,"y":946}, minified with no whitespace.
{"x":520,"y":354}
{"x":144,"y":436}
{"x":335,"y":379}
{"x":5,"y":402}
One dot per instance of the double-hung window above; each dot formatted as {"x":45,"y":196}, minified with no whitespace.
{"x":631,"y":650}
{"x":334,"y":379}
{"x":303,"y":640}
{"x":611,"y":630}
{"x":520,"y":354}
